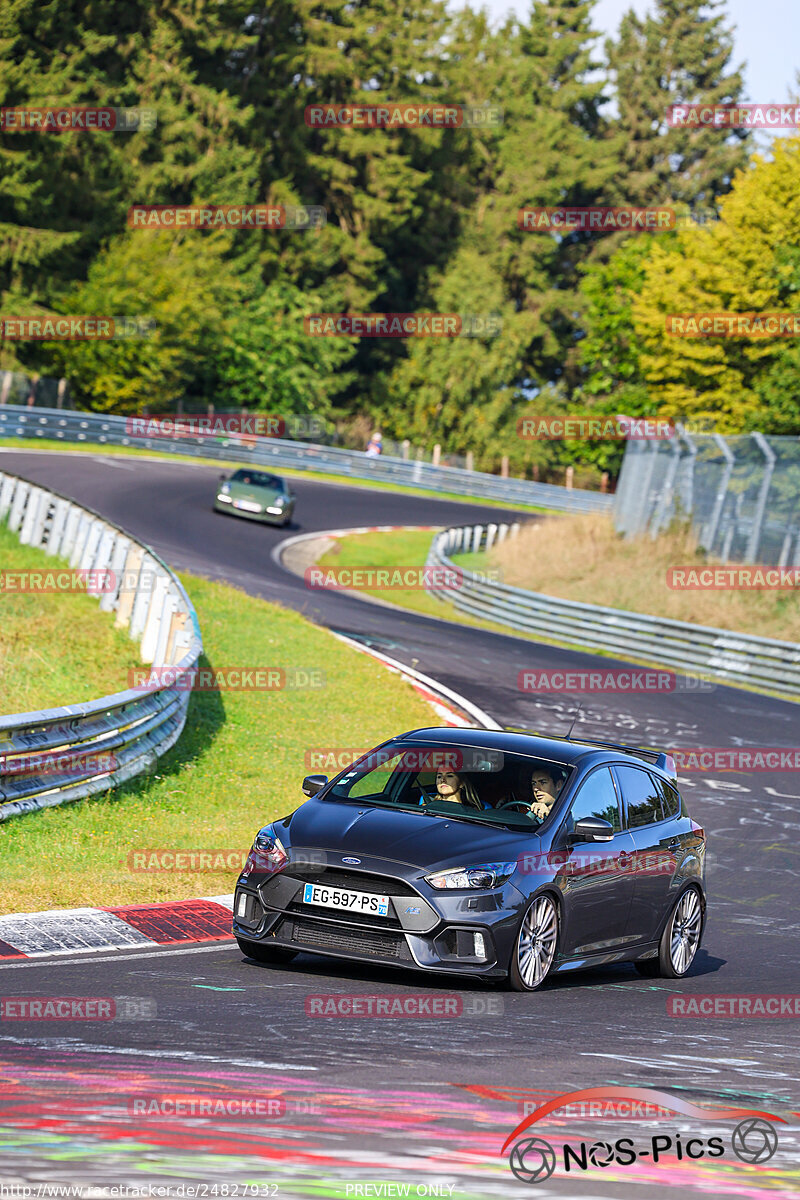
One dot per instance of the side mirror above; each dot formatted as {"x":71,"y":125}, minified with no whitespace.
{"x":592,"y":829}
{"x":315,"y":783}
{"x":222,"y":478}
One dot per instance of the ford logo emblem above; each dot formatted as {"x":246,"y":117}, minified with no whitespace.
{"x":354,"y":861}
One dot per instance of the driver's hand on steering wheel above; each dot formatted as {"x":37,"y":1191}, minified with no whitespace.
{"x":540,"y":810}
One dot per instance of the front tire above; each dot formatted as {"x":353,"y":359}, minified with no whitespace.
{"x":266,"y":954}
{"x":535,"y":945}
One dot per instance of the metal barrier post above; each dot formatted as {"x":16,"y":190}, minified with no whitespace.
{"x":708,"y":536}
{"x":761,"y":504}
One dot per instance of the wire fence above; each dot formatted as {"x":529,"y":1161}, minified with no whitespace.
{"x":741,"y":494}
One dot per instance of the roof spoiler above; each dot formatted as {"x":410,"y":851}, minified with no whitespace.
{"x":659,"y":758}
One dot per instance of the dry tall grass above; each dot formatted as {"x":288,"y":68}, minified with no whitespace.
{"x":583,"y":558}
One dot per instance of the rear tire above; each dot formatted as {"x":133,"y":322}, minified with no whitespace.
{"x":266,"y":954}
{"x":535,"y":945}
{"x":680,"y":940}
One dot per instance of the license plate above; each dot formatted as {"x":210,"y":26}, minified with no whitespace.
{"x":347,"y":901}
{"x":247,"y":505}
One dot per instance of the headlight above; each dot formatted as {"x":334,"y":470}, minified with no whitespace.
{"x":487,"y":875}
{"x":267,"y":854}
{"x":224,"y":499}
{"x":226,"y":487}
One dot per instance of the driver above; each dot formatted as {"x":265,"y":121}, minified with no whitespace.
{"x":536,"y":792}
{"x":546,"y":783}
{"x":454,"y":787}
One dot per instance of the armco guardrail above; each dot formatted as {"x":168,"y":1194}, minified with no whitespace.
{"x":49,"y":423}
{"x":61,"y":754}
{"x":763,"y":663}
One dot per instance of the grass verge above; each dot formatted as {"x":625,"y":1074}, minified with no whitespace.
{"x":39,"y":667}
{"x":316,"y":476}
{"x":580,"y":558}
{"x":404,"y":548}
{"x":238,"y":764}
{"x":584,"y":558}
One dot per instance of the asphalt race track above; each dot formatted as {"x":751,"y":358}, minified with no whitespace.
{"x":424,"y":1102}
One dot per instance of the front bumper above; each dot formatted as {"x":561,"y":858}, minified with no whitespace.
{"x":424,"y":930}
{"x":264,"y":518}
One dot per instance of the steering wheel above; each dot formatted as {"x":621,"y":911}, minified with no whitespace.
{"x":523,"y":804}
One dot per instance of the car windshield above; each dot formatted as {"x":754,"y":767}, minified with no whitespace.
{"x":468,"y":783}
{"x":258,"y":479}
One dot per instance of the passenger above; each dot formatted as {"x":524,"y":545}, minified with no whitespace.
{"x":450,"y":786}
{"x":546,"y":783}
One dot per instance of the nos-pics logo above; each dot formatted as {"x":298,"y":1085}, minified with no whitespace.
{"x":533,"y":1160}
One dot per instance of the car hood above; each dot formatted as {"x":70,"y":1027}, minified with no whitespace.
{"x":414,"y":839}
{"x":249,"y":491}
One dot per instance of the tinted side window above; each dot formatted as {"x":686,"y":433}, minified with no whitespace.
{"x":642,"y":795}
{"x":670,"y":800}
{"x":597,"y":798}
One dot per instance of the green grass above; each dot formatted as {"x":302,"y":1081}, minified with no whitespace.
{"x":239,"y":763}
{"x":410,"y":548}
{"x":39,"y":666}
{"x":406,"y":548}
{"x":317,"y":476}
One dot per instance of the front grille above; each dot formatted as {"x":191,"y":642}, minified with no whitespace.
{"x":303,"y":932}
{"x":382,"y":885}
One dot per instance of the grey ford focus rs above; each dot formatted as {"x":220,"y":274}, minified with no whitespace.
{"x":498,"y":854}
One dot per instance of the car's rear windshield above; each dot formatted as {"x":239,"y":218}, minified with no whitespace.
{"x":466,"y":782}
{"x":258,"y":479}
